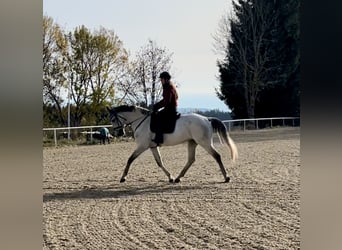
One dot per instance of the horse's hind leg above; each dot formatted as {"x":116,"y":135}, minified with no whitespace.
{"x":212,"y":151}
{"x":133,"y":156}
{"x":191,"y":159}
{"x":157,"y":157}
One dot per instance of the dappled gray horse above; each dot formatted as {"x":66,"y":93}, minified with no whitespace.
{"x":192,"y":128}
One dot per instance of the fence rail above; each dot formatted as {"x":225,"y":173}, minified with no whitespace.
{"x":258,"y":123}
{"x":68,"y":129}
{"x":238,"y":124}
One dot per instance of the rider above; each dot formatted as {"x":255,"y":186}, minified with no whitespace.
{"x":168,"y":103}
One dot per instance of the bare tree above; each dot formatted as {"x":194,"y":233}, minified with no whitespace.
{"x":129,"y":89}
{"x":222,"y":36}
{"x":244,"y":38}
{"x":256,"y":56}
{"x":150,"y":61}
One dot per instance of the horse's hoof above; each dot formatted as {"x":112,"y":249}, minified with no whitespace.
{"x":122,"y":180}
{"x":177,"y":180}
{"x":227,"y":179}
{"x":171,"y":180}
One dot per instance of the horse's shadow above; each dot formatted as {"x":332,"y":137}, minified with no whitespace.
{"x":114,"y":192}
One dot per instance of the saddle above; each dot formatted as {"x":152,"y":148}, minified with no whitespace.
{"x":163,"y":124}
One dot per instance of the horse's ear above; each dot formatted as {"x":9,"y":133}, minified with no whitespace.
{"x":108,"y":109}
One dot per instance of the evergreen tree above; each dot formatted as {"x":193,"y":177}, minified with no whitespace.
{"x":259,"y":75}
{"x":283,"y":98}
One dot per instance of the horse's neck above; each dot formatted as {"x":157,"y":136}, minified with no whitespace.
{"x":133,"y":116}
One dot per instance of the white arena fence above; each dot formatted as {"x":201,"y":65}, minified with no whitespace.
{"x":259,"y":123}
{"x":84,"y":134}
{"x":81,"y":135}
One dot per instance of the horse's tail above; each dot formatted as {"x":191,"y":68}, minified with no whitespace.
{"x":221,"y":130}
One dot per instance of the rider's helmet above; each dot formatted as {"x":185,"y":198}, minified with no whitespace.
{"x":165,"y":75}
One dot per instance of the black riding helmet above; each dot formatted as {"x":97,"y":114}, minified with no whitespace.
{"x":165,"y":75}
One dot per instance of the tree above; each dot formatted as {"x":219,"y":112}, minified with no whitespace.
{"x":53,"y":67}
{"x":283,"y":99}
{"x":107,"y":69}
{"x":221,"y":36}
{"x":91,"y":70}
{"x":129,"y":90}
{"x":150,"y":61}
{"x":95,"y":60}
{"x":254,"y":61}
{"x":249,"y":57}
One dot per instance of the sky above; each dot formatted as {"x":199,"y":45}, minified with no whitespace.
{"x":184,"y":27}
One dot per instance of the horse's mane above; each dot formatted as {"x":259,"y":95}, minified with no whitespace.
{"x":123,"y":108}
{"x":130,"y":108}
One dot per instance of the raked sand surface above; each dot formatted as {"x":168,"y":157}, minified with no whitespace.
{"x":85,"y":206}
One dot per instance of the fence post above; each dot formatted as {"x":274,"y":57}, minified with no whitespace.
{"x":244,"y":125}
{"x":55,"y":136}
{"x":91,"y":135}
{"x":271,"y":123}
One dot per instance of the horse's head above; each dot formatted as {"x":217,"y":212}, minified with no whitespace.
{"x":118,"y":117}
{"x":126,"y":115}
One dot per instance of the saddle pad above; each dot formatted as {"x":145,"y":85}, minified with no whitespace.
{"x":166,"y":124}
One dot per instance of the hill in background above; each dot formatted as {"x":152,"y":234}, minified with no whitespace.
{"x":222,"y":115}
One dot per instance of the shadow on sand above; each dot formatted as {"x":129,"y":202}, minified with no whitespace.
{"x":113,"y":192}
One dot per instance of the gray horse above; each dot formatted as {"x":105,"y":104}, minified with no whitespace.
{"x":192,"y":128}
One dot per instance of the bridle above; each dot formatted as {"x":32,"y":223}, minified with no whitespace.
{"x":115,"y":117}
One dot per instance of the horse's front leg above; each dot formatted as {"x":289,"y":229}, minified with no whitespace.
{"x":133,"y":156}
{"x":157,"y":157}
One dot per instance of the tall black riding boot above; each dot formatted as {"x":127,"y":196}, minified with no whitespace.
{"x":159,"y":139}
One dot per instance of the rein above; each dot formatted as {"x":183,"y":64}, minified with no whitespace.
{"x":121,"y":126}
{"x":141,"y":121}
{"x":117,"y":116}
